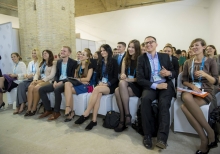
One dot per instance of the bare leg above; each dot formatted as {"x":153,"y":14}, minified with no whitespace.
{"x":96,"y":108}
{"x":1,"y":98}
{"x":68,"y":92}
{"x":2,"y":79}
{"x":94,"y":98}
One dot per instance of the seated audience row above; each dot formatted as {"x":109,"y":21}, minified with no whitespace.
{"x":141,"y":72}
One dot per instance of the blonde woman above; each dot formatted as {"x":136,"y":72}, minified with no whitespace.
{"x":43,"y":76}
{"x":23,"y":86}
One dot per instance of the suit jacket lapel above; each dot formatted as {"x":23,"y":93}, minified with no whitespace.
{"x":160,"y":57}
{"x":147,"y":62}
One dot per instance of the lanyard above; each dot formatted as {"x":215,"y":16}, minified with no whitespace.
{"x":201,"y":68}
{"x":104,"y":74}
{"x":153,"y":66}
{"x":33,"y":69}
{"x":43,"y":68}
{"x":80,"y":71}
{"x":129,"y":71}
{"x":15,"y":68}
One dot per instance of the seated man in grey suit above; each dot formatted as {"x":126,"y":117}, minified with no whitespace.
{"x":154,"y":74}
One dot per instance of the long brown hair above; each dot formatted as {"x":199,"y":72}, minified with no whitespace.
{"x":137,"y":53}
{"x":50,"y":59}
{"x":85,"y":72}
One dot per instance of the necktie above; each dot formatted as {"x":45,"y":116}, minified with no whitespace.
{"x":119,"y":59}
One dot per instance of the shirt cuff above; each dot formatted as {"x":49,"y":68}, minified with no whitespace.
{"x":154,"y":86}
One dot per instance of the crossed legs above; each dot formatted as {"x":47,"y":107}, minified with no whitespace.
{"x":122,"y":93}
{"x":193,"y":113}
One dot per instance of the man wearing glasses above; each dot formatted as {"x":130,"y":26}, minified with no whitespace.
{"x":154,"y":74}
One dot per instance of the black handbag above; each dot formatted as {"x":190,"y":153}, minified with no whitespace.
{"x":111,"y":120}
{"x":74,"y":81}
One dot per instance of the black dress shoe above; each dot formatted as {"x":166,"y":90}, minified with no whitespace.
{"x":90,"y":125}
{"x":147,"y":141}
{"x":121,"y":127}
{"x":161,"y":144}
{"x":81,"y":119}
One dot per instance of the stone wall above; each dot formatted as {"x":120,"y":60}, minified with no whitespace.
{"x":46,"y":24}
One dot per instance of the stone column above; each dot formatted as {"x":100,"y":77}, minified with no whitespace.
{"x":46,"y":24}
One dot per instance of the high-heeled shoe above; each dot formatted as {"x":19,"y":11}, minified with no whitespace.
{"x":3,"y":104}
{"x":69,"y":119}
{"x":213,"y":144}
{"x":27,"y":113}
{"x":68,"y":114}
{"x":128,"y":123}
{"x":32,"y":113}
{"x":120,"y":129}
{"x":24,"y":108}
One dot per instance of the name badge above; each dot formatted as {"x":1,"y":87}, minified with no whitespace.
{"x":62,"y":77}
{"x":42,"y":76}
{"x":104,"y":80}
{"x":130,"y":76}
{"x":156,"y":78}
{"x":198,"y":84}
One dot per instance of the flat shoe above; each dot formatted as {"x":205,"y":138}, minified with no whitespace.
{"x":90,"y":125}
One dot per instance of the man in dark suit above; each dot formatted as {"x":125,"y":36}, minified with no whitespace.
{"x":121,"y":54}
{"x":65,"y":68}
{"x":154,"y":74}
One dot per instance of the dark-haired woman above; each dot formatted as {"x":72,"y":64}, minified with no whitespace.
{"x":44,"y":76}
{"x":128,"y":86}
{"x":107,"y":77}
{"x":83,"y":73}
{"x":19,"y":70}
{"x":199,"y":73}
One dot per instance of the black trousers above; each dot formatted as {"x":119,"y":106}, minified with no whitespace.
{"x":58,"y":98}
{"x":164,"y":98}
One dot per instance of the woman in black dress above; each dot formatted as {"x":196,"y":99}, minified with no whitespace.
{"x":128,"y":86}
{"x":107,"y":79}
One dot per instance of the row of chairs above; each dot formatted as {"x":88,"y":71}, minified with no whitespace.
{"x":108,"y":102}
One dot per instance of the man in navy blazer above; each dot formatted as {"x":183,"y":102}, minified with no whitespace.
{"x":155,"y":73}
{"x":65,"y":68}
